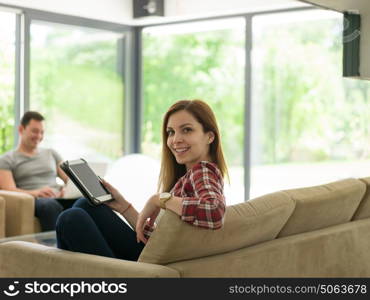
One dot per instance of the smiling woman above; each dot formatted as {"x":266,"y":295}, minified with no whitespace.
{"x":190,"y":182}
{"x":192,"y":135}
{"x":195,"y":61}
{"x":187,"y":140}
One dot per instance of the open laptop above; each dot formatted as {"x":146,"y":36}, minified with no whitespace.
{"x":72,"y":192}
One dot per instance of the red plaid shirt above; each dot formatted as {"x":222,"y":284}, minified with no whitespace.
{"x":203,"y":201}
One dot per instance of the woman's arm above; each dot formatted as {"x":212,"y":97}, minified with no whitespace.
{"x":147,"y":216}
{"x":61,"y":173}
{"x":207,"y":207}
{"x":130,"y":213}
{"x":174,"y":204}
{"x":121,"y":205}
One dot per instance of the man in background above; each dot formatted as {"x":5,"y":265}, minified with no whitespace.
{"x":33,"y":170}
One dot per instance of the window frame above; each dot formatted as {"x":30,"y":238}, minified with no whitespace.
{"x":24,"y":19}
{"x":130,"y":66}
{"x":247,"y":81}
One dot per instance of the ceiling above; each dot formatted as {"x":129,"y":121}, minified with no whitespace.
{"x":194,"y":9}
{"x":120,"y":11}
{"x":341,"y":5}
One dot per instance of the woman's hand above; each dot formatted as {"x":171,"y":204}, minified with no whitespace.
{"x":119,"y":203}
{"x":147,"y":217}
{"x":61,"y":192}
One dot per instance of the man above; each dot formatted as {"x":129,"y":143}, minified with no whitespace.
{"x":33,"y":170}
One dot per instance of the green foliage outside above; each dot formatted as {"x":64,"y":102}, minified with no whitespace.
{"x":303,"y":110}
{"x":6,"y":118}
{"x":207,"y":66}
{"x":78,"y":83}
{"x":310,"y":113}
{"x":6,"y":102}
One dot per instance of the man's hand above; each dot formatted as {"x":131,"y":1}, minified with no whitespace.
{"x":45,"y":192}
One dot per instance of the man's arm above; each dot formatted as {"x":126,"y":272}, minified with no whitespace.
{"x":7,"y":183}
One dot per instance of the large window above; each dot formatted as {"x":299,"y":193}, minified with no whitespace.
{"x":310,"y":125}
{"x":76,"y":83}
{"x":7,"y":80}
{"x":202,"y":60}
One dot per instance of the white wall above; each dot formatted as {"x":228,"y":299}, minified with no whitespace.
{"x":363,"y":7}
{"x":216,"y":7}
{"x":120,"y":11}
{"x":191,"y":9}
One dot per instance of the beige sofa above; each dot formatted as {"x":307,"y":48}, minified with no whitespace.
{"x":19,"y":214}
{"x":2,"y":217}
{"x":321,"y":231}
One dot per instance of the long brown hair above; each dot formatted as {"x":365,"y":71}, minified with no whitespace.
{"x":171,"y":171}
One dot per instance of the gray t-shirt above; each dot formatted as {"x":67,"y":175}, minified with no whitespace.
{"x":33,"y":172}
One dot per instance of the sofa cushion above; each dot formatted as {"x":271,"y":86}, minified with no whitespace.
{"x":323,"y":206}
{"x":248,"y":223}
{"x":363,"y":210}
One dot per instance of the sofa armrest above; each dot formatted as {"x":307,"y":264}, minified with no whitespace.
{"x":24,"y":259}
{"x":19,"y":213}
{"x":2,"y":217}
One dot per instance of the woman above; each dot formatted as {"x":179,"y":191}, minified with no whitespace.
{"x":192,"y":169}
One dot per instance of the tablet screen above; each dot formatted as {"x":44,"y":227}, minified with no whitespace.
{"x":89,"y":179}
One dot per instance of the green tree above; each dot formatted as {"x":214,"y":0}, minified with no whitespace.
{"x":208,"y":66}
{"x":6,"y":103}
{"x":310,"y":112}
{"x":78,"y":82}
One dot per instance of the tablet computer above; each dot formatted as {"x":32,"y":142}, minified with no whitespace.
{"x":86,"y":181}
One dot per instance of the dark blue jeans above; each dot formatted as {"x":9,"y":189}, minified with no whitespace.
{"x":47,"y":211}
{"x":96,"y":230}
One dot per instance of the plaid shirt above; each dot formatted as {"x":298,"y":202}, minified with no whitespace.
{"x":203,"y":201}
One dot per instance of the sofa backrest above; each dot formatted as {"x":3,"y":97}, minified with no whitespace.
{"x":245,"y":224}
{"x":336,"y":251}
{"x":363,"y":210}
{"x":323,"y":206}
